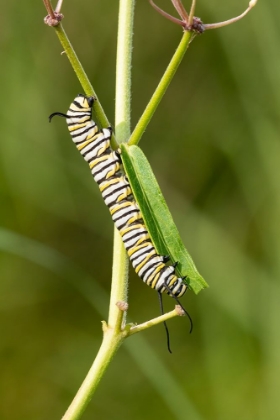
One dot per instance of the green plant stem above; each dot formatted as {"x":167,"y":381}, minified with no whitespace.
{"x":161,"y":89}
{"x":74,"y":61}
{"x":122,"y":123}
{"x":123,"y":73}
{"x":110,"y":344}
{"x":82,"y":76}
{"x":119,"y":283}
{"x":113,"y":334}
{"x":151,"y":323}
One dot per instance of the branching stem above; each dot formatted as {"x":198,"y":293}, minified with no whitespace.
{"x":151,"y":323}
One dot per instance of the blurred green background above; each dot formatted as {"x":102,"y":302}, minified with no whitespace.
{"x":214,"y":147}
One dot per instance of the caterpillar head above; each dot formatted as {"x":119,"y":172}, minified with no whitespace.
{"x":81,"y":104}
{"x":84,"y":102}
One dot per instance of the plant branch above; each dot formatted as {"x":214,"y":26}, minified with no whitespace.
{"x":49,"y":8}
{"x":161,"y":89}
{"x":83,"y":78}
{"x":79,"y":70}
{"x":252,"y":3}
{"x":166,"y":15}
{"x":180,"y":10}
{"x":151,"y":323}
{"x":191,"y":14}
{"x":59,"y":6}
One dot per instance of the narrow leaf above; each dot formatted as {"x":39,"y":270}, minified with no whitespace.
{"x":157,"y":217}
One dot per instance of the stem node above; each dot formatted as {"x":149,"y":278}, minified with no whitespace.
{"x":123,"y":306}
{"x":179,"y":310}
{"x":53,"y":20}
{"x":104,"y":326}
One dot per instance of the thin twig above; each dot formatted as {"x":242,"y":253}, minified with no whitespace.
{"x":151,"y":323}
{"x":233,"y":20}
{"x":191,"y":15}
{"x":181,"y":10}
{"x":79,"y":70}
{"x":59,"y":6}
{"x":166,"y":15}
{"x":49,"y":8}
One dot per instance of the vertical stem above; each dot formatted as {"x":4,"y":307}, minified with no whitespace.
{"x":119,"y":284}
{"x":123,"y":70}
{"x":108,"y":348}
{"x":122,"y":123}
{"x":113,"y":335}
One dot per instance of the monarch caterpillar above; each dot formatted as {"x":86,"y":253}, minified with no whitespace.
{"x":105,"y":165}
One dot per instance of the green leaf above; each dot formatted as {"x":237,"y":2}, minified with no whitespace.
{"x":157,"y":217}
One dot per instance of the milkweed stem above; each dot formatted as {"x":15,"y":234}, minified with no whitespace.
{"x":161,"y":89}
{"x":79,"y":70}
{"x":122,"y":123}
{"x":113,"y":335}
{"x":152,"y":322}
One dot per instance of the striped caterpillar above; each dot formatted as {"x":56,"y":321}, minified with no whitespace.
{"x":105,"y":165}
